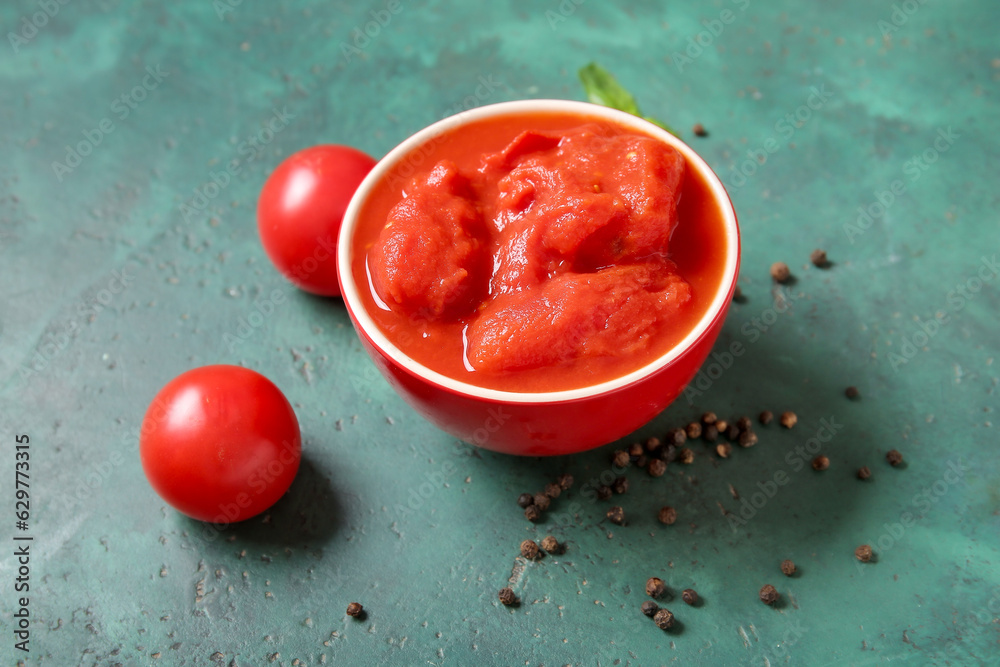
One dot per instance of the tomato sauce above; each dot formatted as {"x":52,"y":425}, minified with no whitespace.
{"x":539,"y":260}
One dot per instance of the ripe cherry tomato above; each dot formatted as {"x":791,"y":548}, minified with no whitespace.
{"x":300,"y":211}
{"x":220,"y":443}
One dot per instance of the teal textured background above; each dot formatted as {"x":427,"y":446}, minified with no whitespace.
{"x":391,"y":512}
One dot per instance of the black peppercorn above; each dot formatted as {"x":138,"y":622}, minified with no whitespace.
{"x":664,"y":619}
{"x":620,"y":485}
{"x":616,"y":515}
{"x":507,"y":597}
{"x":551,"y":545}
{"x":768,"y":594}
{"x":667,"y":515}
{"x":529,"y":549}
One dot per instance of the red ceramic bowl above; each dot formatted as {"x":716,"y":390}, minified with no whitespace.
{"x":558,"y":422}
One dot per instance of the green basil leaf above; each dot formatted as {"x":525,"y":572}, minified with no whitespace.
{"x":662,"y":125}
{"x":602,"y":88}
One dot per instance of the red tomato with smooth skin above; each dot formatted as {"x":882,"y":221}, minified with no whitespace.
{"x":300,"y":211}
{"x":220,"y":443}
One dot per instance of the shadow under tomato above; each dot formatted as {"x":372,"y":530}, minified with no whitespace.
{"x":305,"y":517}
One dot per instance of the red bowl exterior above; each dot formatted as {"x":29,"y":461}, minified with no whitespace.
{"x":546,"y":429}
{"x":547,"y":426}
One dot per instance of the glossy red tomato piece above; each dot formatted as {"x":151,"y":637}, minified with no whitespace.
{"x":220,"y":443}
{"x":300,"y":211}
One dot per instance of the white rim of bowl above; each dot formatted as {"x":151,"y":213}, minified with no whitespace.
{"x":543,"y":106}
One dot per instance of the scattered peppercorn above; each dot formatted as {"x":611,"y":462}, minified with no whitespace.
{"x":733,"y":432}
{"x":668,"y":453}
{"x":616,"y":515}
{"x":685,"y":456}
{"x":690,"y":596}
{"x":748,"y":439}
{"x":553,"y":490}
{"x":532,"y":513}
{"x":507,"y":597}
{"x":529,"y":549}
{"x":852,"y":392}
{"x":641,"y":461}
{"x":709,"y":418}
{"x":667,"y":515}
{"x":656,"y":468}
{"x":780,"y":272}
{"x":768,"y":594}
{"x":678,"y":436}
{"x":620,"y":458}
{"x":565,"y":481}
{"x":787,"y":568}
{"x":649,"y":608}
{"x":744,"y":423}
{"x":765,"y":417}
{"x":355,"y":609}
{"x":653,"y":444}
{"x":789,"y":419}
{"x":864,"y":472}
{"x":894,"y":457}
{"x":710,"y":433}
{"x":722,"y":425}
{"x":620,"y":485}
{"x":737,"y":294}
{"x":693,"y":430}
{"x":603,"y":492}
{"x":699,"y":130}
{"x":551,"y":545}
{"x":723,"y":449}
{"x":655,"y":588}
{"x":542,"y":501}
{"x":819,"y":259}
{"x":820,"y":462}
{"x":636,"y":450}
{"x":664,"y":619}
{"x":525,"y":499}
{"x":863,"y":553}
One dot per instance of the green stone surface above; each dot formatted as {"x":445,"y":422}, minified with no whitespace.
{"x":117,"y":577}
